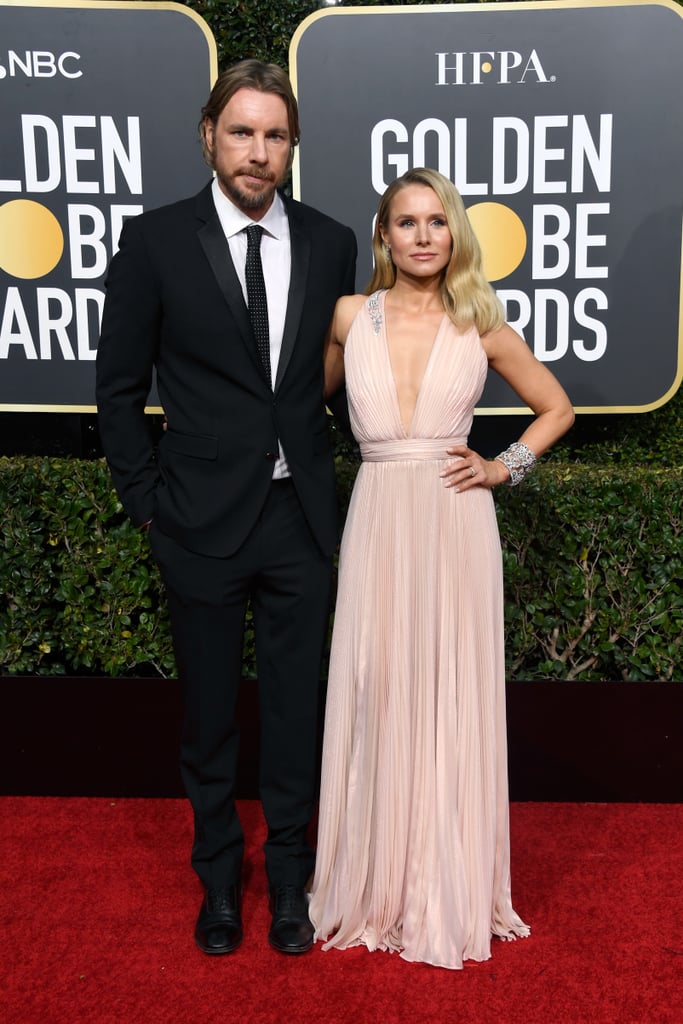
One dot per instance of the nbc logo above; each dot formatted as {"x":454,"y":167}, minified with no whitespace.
{"x":40,"y":64}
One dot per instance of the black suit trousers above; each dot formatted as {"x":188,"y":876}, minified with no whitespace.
{"x":287,"y":577}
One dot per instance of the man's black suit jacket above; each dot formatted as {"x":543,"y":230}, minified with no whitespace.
{"x":174,"y":302}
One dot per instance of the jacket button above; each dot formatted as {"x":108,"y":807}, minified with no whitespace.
{"x":271,"y":456}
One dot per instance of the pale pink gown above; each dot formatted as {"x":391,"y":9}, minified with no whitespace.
{"x":413,"y":842}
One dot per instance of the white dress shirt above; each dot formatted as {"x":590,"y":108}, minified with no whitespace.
{"x":276,"y":258}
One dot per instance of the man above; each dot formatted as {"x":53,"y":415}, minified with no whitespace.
{"x":240,"y":499}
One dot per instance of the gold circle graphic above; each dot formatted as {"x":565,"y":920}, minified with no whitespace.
{"x":31,"y":239}
{"x":502,"y":238}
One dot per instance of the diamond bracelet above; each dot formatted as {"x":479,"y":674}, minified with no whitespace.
{"x":519,"y":460}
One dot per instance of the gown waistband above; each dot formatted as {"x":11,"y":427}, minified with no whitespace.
{"x":410,"y":449}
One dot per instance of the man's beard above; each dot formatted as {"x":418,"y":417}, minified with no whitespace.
{"x":246,"y":199}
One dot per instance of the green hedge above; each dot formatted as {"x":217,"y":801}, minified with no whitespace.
{"x":593,"y":567}
{"x":81,"y":594}
{"x":593,"y":563}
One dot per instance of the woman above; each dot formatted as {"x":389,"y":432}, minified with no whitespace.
{"x":413,"y":844}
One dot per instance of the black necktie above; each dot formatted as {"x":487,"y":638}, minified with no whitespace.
{"x":256,"y":296}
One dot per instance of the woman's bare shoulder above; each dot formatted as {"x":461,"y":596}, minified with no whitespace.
{"x":344,"y":314}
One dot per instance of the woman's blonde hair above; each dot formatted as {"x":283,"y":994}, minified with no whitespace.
{"x":467,"y":296}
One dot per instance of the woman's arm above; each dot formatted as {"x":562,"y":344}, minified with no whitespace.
{"x":510,"y":356}
{"x":344,"y":314}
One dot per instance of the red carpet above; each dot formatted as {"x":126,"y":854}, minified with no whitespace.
{"x":98,"y":902}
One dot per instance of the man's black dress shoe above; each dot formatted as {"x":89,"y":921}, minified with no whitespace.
{"x":219,"y":925}
{"x":291,"y":930}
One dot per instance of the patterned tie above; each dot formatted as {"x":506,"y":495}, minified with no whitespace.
{"x":256,"y":296}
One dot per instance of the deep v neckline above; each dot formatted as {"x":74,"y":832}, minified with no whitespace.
{"x":407,"y":432}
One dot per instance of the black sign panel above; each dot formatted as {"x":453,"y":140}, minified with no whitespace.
{"x":99,"y":106}
{"x":561,"y":126}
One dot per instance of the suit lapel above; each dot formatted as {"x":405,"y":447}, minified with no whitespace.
{"x":217,"y":251}
{"x":301,"y":251}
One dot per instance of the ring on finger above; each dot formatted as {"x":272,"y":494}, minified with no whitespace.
{"x":473,"y":471}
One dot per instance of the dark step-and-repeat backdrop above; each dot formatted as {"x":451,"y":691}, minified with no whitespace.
{"x":560,"y":122}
